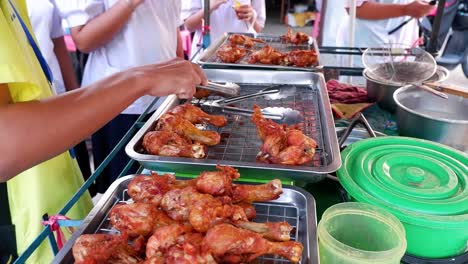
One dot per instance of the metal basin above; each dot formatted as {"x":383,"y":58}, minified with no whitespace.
{"x":382,"y":92}
{"x":422,"y":115}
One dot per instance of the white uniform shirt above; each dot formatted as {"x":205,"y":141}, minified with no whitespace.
{"x":335,"y":13}
{"x":149,"y":37}
{"x":374,"y":33}
{"x":224,"y":19}
{"x":46,"y":23}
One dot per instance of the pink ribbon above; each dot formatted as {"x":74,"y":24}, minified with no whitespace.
{"x":53,"y":222}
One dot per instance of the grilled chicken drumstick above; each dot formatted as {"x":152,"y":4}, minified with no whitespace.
{"x":229,"y":244}
{"x":197,"y":116}
{"x":104,"y":248}
{"x":165,"y":143}
{"x":138,"y":219}
{"x":248,"y":42}
{"x":176,"y":124}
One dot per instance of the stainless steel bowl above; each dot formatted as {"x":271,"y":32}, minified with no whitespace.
{"x":423,"y":115}
{"x":382,"y":92}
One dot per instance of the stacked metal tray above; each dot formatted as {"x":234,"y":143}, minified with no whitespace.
{"x":210,"y":59}
{"x":295,"y":206}
{"x":239,"y":140}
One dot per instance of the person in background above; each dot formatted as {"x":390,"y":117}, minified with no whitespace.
{"x":243,"y":16}
{"x":38,"y":127}
{"x":47,"y":26}
{"x":375,"y":18}
{"x":119,"y":34}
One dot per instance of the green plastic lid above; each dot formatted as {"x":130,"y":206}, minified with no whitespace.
{"x":418,"y":180}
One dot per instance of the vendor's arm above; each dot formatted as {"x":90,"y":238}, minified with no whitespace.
{"x":180,"y":48}
{"x":194,"y":21}
{"x":371,"y":10}
{"x":35,"y":131}
{"x":101,"y":29}
{"x":65,"y":63}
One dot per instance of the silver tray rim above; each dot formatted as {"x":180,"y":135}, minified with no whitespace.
{"x":202,"y":59}
{"x":97,"y":213}
{"x":145,"y":159}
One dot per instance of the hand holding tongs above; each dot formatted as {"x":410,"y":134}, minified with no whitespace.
{"x":433,"y":2}
{"x":281,"y":114}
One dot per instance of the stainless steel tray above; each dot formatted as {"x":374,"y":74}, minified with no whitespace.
{"x":295,"y":206}
{"x":209,"y":58}
{"x":239,"y":141}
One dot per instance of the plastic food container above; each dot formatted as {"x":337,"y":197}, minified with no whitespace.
{"x":424,"y":184}
{"x":352,"y":233}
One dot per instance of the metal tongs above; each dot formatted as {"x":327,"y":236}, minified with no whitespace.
{"x":229,"y":88}
{"x":280,"y":114}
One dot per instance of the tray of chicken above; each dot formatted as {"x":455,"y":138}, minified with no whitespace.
{"x":292,"y":51}
{"x":209,"y":219}
{"x":281,"y":126}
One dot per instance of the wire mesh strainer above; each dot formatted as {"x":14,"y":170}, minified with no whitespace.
{"x":399,"y":64}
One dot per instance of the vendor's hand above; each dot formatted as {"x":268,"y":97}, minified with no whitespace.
{"x":418,"y":9}
{"x":176,"y":76}
{"x":214,"y":4}
{"x":245,"y":12}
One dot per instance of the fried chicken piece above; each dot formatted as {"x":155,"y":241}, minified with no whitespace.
{"x":230,"y":53}
{"x":188,"y":251}
{"x":217,"y":183}
{"x":282,"y":144}
{"x":229,"y":244}
{"x":267,"y":55}
{"x":301,"y":58}
{"x":176,"y":124}
{"x":165,"y":143}
{"x":206,"y":214}
{"x":104,"y":248}
{"x":150,"y":189}
{"x":248,"y":42}
{"x":177,"y":203}
{"x":155,"y":260}
{"x":249,"y":209}
{"x":299,"y":38}
{"x":163,"y":238}
{"x":202,"y":93}
{"x":138,"y":219}
{"x":197,"y":116}
{"x":273,"y":231}
{"x":257,"y":192}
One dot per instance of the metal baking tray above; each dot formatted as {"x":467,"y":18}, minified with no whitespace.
{"x":209,"y":58}
{"x":239,"y":140}
{"x":295,"y":206}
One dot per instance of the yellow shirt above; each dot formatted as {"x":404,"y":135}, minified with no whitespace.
{"x":46,"y":187}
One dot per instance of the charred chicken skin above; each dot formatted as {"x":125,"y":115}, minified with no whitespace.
{"x":104,"y":248}
{"x":176,"y":124}
{"x":282,"y":144}
{"x":267,"y":55}
{"x":197,"y":116}
{"x":229,"y":244}
{"x":301,"y":58}
{"x":165,"y":143}
{"x":248,"y":42}
{"x":230,"y":53}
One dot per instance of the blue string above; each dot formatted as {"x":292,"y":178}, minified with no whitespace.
{"x":37,"y":51}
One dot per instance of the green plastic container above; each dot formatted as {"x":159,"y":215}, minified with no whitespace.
{"x":355,"y":233}
{"x":422,"y":183}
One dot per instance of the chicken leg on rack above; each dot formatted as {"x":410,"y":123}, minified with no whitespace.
{"x":165,"y":143}
{"x":197,"y":116}
{"x":138,"y":219}
{"x":176,"y":124}
{"x":282,"y":144}
{"x":104,"y":248}
{"x":229,"y":244}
